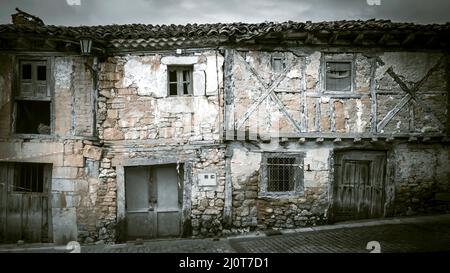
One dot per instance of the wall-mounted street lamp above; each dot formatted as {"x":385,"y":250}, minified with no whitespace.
{"x":85,"y":44}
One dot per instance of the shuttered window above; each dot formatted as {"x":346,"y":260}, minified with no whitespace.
{"x":32,"y":112}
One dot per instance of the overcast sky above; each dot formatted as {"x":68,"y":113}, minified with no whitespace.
{"x":102,"y":12}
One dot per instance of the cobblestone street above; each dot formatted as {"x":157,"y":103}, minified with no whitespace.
{"x":400,"y":235}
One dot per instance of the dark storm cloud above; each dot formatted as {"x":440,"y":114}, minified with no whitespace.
{"x":101,"y":12}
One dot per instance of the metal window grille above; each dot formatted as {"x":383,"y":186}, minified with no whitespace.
{"x":281,"y":172}
{"x":29,"y":177}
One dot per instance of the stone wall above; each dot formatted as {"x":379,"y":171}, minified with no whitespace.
{"x":134,"y":103}
{"x":139,"y":121}
{"x":415,"y":172}
{"x":419,"y":172}
{"x":75,"y":159}
{"x":204,"y":204}
{"x":254,"y":210}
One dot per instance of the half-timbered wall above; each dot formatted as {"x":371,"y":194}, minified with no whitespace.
{"x":397,"y":104}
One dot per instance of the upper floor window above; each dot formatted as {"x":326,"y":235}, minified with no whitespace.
{"x":282,"y":173}
{"x":338,"y":76}
{"x":180,"y":80}
{"x":278,"y":64}
{"x":32,"y":100}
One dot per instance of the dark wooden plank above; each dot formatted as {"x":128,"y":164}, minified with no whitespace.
{"x":4,"y":177}
{"x":14,"y":217}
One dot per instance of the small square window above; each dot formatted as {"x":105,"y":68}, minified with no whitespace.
{"x":282,"y":173}
{"x":338,"y":76}
{"x":32,"y":117}
{"x":278,"y":64}
{"x":180,"y":80}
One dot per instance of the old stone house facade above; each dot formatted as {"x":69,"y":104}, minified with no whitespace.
{"x":208,"y":130}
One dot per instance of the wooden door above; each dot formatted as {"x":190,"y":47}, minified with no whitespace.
{"x":139,"y":204}
{"x":152,"y":198}
{"x":168,"y":209}
{"x":24,"y":202}
{"x":359,"y":185}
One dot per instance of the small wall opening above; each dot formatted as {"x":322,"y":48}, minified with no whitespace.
{"x":33,"y":117}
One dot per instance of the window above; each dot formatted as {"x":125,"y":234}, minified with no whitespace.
{"x":180,"y":80}
{"x":29,"y":177}
{"x":338,"y":76}
{"x":32,"y":113}
{"x":282,"y":173}
{"x":278,"y":64}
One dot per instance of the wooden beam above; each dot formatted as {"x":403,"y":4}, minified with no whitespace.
{"x":373,"y":96}
{"x":359,"y":39}
{"x":269,"y":89}
{"x":333,"y":38}
{"x":409,"y":39}
{"x":309,"y":39}
{"x":393,"y":112}
{"x":432,"y":40}
{"x":383,"y":39}
{"x":411,"y":92}
{"x":283,"y":109}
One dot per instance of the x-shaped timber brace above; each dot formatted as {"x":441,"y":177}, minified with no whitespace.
{"x":409,"y":96}
{"x":268,"y":91}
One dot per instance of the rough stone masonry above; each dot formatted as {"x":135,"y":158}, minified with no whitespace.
{"x":241,"y":126}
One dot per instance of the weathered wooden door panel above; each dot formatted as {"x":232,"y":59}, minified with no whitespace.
{"x":168,"y":206}
{"x":14,"y":218}
{"x":152,"y":197}
{"x":5,"y":173}
{"x":25,"y":211}
{"x":139,"y":216}
{"x":358,"y":190}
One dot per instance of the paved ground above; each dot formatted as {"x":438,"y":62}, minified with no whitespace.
{"x":419,"y":234}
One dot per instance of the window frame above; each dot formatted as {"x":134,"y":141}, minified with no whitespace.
{"x":180,"y":82}
{"x":18,"y":176}
{"x":280,"y":57}
{"x":35,"y":61}
{"x":338,"y":59}
{"x":264,"y":177}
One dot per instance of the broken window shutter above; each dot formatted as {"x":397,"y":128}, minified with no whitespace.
{"x":26,"y":80}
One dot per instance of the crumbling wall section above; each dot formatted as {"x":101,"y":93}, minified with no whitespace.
{"x":134,"y":103}
{"x":420,"y":171}
{"x":423,"y":74}
{"x":254,"y":210}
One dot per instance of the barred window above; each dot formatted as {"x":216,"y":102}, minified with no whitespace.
{"x":29,"y":177}
{"x":282,"y":173}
